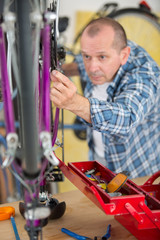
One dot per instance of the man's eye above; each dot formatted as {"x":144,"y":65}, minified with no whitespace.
{"x":102,"y":57}
{"x":86,"y":56}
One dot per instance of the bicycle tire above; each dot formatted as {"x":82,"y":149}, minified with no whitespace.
{"x":1,"y":6}
{"x":27,"y":91}
{"x":142,"y":27}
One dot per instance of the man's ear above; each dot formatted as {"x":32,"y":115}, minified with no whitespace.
{"x":125,"y":54}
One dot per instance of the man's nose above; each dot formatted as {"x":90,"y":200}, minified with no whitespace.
{"x":94,"y":65}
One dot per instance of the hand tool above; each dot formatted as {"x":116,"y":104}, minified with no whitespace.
{"x":75,"y":235}
{"x":108,"y":233}
{"x":116,"y":183}
{"x":79,"y":237}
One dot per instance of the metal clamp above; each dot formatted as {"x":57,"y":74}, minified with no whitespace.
{"x":9,"y":20}
{"x":12,"y":144}
{"x":50,"y":17}
{"x":45,"y":138}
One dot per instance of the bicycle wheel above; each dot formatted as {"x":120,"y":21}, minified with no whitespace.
{"x":27,"y":90}
{"x":141,"y":27}
{"x":31,"y":153}
{"x":1,"y":6}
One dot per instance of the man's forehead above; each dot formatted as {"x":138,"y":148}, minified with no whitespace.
{"x":100,"y":41}
{"x":95,"y":29}
{"x":105,"y":32}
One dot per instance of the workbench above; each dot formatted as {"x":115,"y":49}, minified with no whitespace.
{"x":81,"y":216}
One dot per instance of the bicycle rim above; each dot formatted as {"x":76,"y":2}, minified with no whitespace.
{"x":27,"y":93}
{"x":141,"y":27}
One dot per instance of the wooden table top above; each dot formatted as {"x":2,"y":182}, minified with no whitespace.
{"x":81,"y":216}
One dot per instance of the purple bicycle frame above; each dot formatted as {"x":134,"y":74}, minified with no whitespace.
{"x":45,"y":105}
{"x":8,"y":107}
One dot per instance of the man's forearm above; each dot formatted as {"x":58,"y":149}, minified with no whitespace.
{"x":81,"y":108}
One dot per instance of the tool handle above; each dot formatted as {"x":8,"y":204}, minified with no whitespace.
{"x":15,"y":228}
{"x":72,"y":234}
{"x":108,"y":233}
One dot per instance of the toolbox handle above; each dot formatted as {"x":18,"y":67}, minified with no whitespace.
{"x":152,"y":178}
{"x":109,"y":208}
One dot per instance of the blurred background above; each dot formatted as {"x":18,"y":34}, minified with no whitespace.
{"x":71,"y":8}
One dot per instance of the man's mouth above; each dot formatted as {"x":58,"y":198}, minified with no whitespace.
{"x":95,"y":77}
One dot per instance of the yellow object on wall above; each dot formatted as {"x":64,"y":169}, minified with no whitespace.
{"x":75,"y":150}
{"x":143,"y":33}
{"x":137,"y":28}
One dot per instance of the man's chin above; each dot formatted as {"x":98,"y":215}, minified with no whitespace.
{"x":96,"y":80}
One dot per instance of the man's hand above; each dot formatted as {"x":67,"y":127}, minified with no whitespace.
{"x":63,"y":92}
{"x":64,"y":95}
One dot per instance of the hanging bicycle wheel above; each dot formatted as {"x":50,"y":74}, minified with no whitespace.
{"x":141,"y":27}
{"x":27,"y":89}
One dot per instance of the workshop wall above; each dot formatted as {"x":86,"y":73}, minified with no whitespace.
{"x":70,"y":7}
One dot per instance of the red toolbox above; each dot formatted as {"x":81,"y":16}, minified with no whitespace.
{"x":137,"y":208}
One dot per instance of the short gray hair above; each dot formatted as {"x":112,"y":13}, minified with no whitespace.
{"x":94,"y":27}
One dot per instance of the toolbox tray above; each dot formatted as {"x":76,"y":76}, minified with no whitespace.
{"x":137,"y":208}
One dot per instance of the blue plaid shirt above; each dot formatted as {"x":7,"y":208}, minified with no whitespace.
{"x":129,"y":119}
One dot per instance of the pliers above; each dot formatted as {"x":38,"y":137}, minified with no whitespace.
{"x":79,"y":237}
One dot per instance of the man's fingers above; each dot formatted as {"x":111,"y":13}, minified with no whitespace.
{"x":63,"y":91}
{"x":55,"y":95}
{"x":55,"y":75}
{"x":59,"y":86}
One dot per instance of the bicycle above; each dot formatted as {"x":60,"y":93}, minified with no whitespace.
{"x":31,"y":30}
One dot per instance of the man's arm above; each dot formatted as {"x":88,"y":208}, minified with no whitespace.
{"x":64,"y":95}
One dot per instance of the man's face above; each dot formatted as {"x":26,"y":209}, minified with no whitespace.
{"x":101,"y":60}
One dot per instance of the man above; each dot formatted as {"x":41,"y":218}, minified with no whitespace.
{"x":122,"y":99}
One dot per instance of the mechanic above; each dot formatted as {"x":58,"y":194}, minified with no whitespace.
{"x":121,"y":102}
